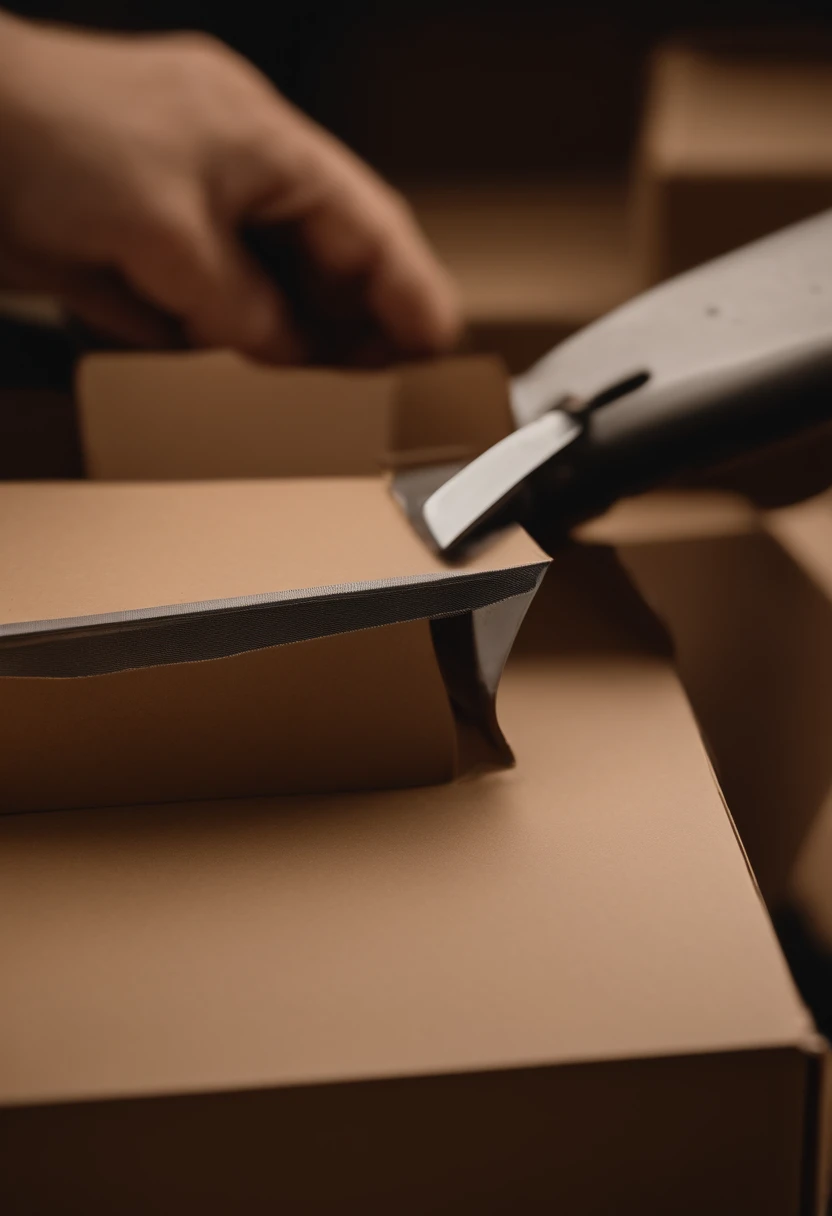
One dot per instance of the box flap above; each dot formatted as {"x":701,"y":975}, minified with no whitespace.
{"x":215,"y":415}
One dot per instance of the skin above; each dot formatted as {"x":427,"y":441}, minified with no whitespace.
{"x":131,"y":170}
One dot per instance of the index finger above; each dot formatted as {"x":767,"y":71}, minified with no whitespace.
{"x":354,"y":227}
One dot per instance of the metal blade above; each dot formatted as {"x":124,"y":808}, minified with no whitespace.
{"x":489,"y":482}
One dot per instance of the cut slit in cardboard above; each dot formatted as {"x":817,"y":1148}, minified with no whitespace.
{"x":235,"y":638}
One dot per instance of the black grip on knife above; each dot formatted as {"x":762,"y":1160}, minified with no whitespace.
{"x":646,"y":438}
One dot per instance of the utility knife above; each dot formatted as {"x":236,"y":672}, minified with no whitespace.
{"x":714,"y":363}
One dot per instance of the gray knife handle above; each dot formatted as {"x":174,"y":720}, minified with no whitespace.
{"x":656,"y":433}
{"x":719,"y":361}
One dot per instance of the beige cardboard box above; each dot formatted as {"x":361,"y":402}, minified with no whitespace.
{"x":549,"y":987}
{"x":221,"y":638}
{"x":534,"y":260}
{"x":735,"y":145}
{"x":747,"y":597}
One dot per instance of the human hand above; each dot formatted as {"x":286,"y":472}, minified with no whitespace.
{"x":131,"y":168}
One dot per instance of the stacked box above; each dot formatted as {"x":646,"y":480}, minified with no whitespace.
{"x":735,"y":144}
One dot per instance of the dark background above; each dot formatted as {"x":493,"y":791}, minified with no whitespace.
{"x":457,"y":89}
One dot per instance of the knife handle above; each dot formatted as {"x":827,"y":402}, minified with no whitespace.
{"x":654,"y":433}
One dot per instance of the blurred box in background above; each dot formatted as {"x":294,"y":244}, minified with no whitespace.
{"x":509,"y":129}
{"x":736,"y":142}
{"x":534,"y":261}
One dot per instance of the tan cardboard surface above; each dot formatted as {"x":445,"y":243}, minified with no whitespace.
{"x":670,"y":516}
{"x":740,"y":113}
{"x":805,"y":529}
{"x":714,"y":1133}
{"x":735,"y":145}
{"x":71,"y":549}
{"x":531,"y":252}
{"x":747,"y":597}
{"x":590,"y":904}
{"x":363,"y":710}
{"x":222,"y":416}
{"x":208,"y":415}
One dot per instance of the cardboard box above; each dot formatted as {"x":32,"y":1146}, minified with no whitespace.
{"x":746,"y":595}
{"x":735,"y":145}
{"x":534,"y":260}
{"x":553,"y":987}
{"x":222,"y":638}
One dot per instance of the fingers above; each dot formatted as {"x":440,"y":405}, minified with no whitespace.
{"x":106,"y":304}
{"x":354,"y":226}
{"x":412,"y":296}
{"x":191,"y":147}
{"x":357,"y":233}
{"x":100,"y":298}
{"x":193,"y":267}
